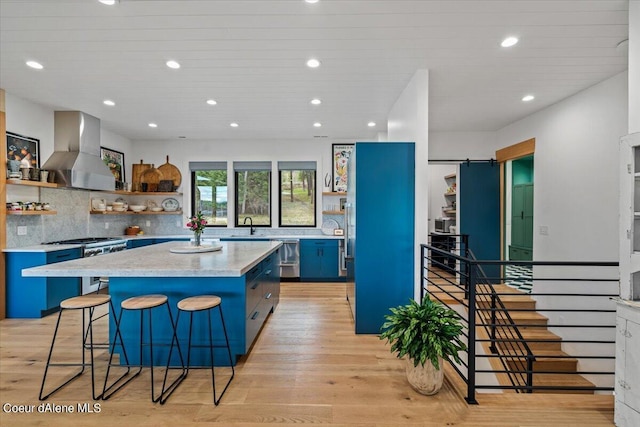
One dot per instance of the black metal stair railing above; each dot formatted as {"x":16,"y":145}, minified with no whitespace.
{"x":452,"y":275}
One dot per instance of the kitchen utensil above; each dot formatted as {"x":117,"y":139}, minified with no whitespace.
{"x":132,"y":230}
{"x":328,"y":226}
{"x":170,"y":172}
{"x":136,"y":172}
{"x":151,"y":177}
{"x":170,"y":205}
{"x":165,"y":185}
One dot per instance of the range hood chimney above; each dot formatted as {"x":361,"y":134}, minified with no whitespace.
{"x":76,"y":158}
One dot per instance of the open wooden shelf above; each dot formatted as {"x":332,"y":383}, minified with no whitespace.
{"x":143,"y":193}
{"x":31,"y":183}
{"x":31,"y":212}
{"x":450,"y":176}
{"x":145,"y":212}
{"x":333,"y":212}
{"x":450,"y":194}
{"x":333,"y":193}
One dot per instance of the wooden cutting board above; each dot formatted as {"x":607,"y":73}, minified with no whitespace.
{"x":136,"y":175}
{"x":151,"y":177}
{"x":170,"y":172}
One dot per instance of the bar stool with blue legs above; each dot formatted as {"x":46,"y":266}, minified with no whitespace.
{"x":141,"y":304}
{"x":86,"y":303}
{"x":193,"y":305}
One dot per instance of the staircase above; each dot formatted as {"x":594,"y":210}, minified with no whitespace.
{"x":552,"y":366}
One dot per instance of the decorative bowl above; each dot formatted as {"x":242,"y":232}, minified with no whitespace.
{"x":137,"y":208}
{"x":156,"y":209}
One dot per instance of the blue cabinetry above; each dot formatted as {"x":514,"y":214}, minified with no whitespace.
{"x":319,"y":260}
{"x":35,"y":297}
{"x":246,"y":301}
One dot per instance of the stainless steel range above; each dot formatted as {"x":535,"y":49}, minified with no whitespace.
{"x":94,"y":246}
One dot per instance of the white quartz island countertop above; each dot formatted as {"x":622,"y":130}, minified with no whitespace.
{"x":233,"y":260}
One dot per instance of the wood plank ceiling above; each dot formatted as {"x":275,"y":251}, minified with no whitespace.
{"x":250,"y":57}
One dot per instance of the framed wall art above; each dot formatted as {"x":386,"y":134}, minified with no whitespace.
{"x":115,"y":161}
{"x":340,"y":155}
{"x":23,"y":149}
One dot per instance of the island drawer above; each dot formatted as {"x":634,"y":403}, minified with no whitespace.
{"x":254,"y":293}
{"x":255,"y":320}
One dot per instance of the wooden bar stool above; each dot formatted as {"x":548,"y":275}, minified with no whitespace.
{"x":84,"y":303}
{"x":192,"y":305}
{"x":141,"y":304}
{"x":103,"y":283}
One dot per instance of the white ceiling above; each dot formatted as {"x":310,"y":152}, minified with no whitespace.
{"x":250,"y":56}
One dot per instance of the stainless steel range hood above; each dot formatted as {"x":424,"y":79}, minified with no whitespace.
{"x":76,"y":158}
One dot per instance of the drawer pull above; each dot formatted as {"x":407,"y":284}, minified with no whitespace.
{"x":255,"y":315}
{"x":255,"y":285}
{"x":268,"y":273}
{"x":267,"y":296}
{"x":63,"y":256}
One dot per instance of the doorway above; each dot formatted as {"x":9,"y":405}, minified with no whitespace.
{"x":517,"y":210}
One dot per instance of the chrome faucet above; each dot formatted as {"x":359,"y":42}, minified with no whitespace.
{"x":252,"y":229}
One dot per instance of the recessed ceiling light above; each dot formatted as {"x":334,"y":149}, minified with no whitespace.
{"x":108,"y":2}
{"x":211,"y":101}
{"x":371,"y":124}
{"x":313,"y":63}
{"x":153,"y":125}
{"x":317,"y":124}
{"x":34,"y":64}
{"x":316,"y":101}
{"x":108,"y":102}
{"x":509,"y":41}
{"x":312,"y":1}
{"x":528,"y":98}
{"x":173,"y":64}
{"x":234,"y":125}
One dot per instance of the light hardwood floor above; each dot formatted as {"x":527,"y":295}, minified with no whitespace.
{"x":307,"y":366}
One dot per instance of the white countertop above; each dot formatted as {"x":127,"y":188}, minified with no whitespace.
{"x":234,"y":260}
{"x":205,"y":237}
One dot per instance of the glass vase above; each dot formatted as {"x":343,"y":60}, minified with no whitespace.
{"x":197,"y":238}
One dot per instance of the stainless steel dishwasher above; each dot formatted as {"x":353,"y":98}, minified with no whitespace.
{"x":290,"y":259}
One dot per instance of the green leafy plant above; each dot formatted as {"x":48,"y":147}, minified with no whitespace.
{"x":423,"y":331}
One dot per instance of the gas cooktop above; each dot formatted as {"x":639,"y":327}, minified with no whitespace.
{"x":83,"y":241}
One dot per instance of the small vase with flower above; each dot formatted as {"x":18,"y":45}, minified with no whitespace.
{"x":197,"y":224}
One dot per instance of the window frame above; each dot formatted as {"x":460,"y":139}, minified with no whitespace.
{"x":298,"y":166}
{"x":245,"y":166}
{"x":194,"y":167}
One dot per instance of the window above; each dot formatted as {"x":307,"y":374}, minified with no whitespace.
{"x":253,"y":193}
{"x":297,"y":194}
{"x":209,"y":191}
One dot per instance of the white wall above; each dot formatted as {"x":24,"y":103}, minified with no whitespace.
{"x":30,"y":119}
{"x":634,"y":66}
{"x":462,"y":145}
{"x":576,"y":198}
{"x":576,"y":171}
{"x":408,"y":121}
{"x":184,"y":151}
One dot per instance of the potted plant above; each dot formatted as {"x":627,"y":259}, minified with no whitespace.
{"x":424,"y":332}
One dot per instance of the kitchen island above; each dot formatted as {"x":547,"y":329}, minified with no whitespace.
{"x":244,"y":274}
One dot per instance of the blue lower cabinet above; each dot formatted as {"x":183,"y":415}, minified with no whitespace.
{"x":138,"y":243}
{"x":319,"y":260}
{"x":35,"y":297}
{"x":246,"y":304}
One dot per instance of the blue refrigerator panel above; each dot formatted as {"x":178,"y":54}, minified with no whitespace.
{"x":383,"y":206}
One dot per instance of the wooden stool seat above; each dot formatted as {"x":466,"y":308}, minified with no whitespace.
{"x":198,"y":303}
{"x":143,"y":302}
{"x":85,"y":301}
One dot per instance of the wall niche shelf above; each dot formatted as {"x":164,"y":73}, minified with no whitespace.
{"x":333,"y":212}
{"x":143,"y":193}
{"x":333,"y":193}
